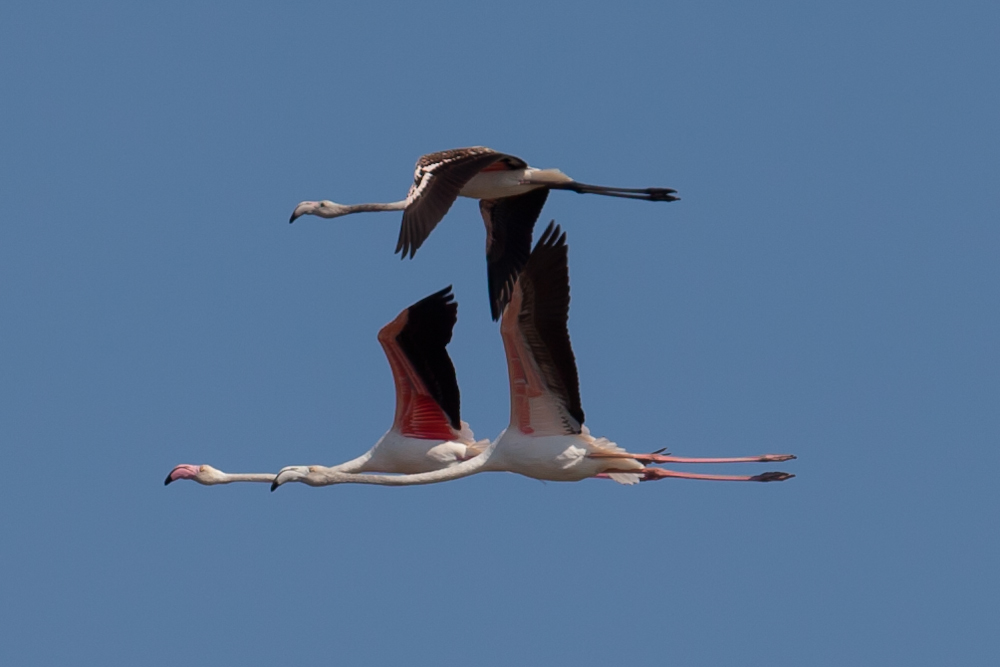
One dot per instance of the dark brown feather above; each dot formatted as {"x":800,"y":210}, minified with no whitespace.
{"x":448,"y":172}
{"x":509,"y":223}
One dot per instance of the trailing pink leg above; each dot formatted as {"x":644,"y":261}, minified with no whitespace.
{"x":766,"y":458}
{"x":659,"y":458}
{"x":653,"y":474}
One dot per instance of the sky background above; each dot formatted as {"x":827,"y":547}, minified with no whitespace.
{"x":828,"y":286}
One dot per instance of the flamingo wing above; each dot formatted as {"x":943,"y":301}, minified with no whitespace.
{"x":544,"y":385}
{"x":437,"y":180}
{"x":427,"y":396}
{"x":509,"y":223}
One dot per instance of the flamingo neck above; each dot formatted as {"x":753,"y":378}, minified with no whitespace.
{"x":474,"y":465}
{"x":359,"y":464}
{"x":247,"y":477}
{"x":366,"y":208}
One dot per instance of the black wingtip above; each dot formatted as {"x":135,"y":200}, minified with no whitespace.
{"x":547,"y":273}
{"x":552,"y":236}
{"x":443,"y":299}
{"x":498,"y":304}
{"x":424,"y":339}
{"x":405,"y":251}
{"x":510,"y":223}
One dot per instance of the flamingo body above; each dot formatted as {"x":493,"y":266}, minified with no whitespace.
{"x":397,"y":453}
{"x":501,"y":183}
{"x":546,"y":438}
{"x":563,"y":458}
{"x":511,"y":196}
{"x":427,"y":432}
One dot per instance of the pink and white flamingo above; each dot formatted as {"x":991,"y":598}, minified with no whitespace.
{"x":427,"y":432}
{"x":511,"y":196}
{"x":546,"y":438}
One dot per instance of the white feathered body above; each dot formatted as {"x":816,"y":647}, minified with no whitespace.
{"x":510,"y":182}
{"x":560,"y":458}
{"x":397,"y":453}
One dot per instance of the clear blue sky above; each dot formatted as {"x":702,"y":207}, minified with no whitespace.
{"x":828,"y":286}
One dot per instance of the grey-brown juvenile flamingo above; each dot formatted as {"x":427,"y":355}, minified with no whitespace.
{"x":510,"y":193}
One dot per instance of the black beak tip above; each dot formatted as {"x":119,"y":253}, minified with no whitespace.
{"x":168,"y":480}
{"x":274,"y":485}
{"x":292,"y":219}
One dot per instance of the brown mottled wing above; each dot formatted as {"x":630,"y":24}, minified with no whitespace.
{"x":427,"y":396}
{"x":438,"y":179}
{"x":544,"y":386}
{"x":509,"y":223}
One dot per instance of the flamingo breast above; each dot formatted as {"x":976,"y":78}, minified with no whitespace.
{"x":555,"y":458}
{"x":396,"y":453}
{"x":496,"y":184}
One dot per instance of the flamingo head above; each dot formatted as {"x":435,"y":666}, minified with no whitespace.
{"x":204,"y":474}
{"x":305,"y":474}
{"x":324,"y":209}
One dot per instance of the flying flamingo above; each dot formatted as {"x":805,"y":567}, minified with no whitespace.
{"x":546,"y":438}
{"x":510,"y":193}
{"x":427,"y":432}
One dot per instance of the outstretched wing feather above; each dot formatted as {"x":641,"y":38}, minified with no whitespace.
{"x":438,"y":179}
{"x":536,"y":339}
{"x":509,"y":222}
{"x":428,"y":401}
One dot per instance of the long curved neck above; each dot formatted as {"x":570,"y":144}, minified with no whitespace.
{"x":479,"y":463}
{"x":364,"y":208}
{"x":354,"y":465}
{"x":248,"y":477}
